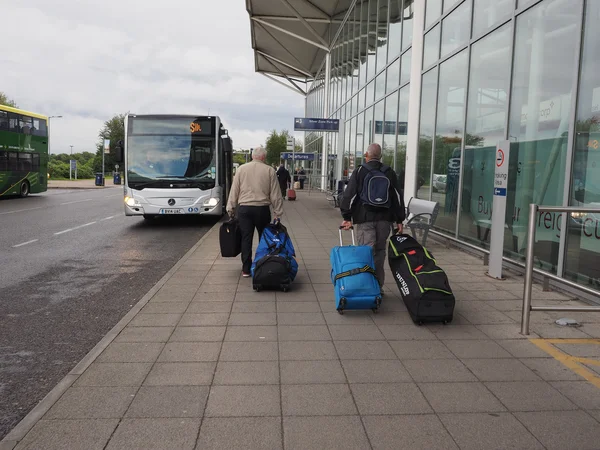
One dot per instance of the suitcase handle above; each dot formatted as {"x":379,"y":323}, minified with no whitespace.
{"x":353,"y":239}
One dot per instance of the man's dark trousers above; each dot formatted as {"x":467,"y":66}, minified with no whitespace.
{"x":251,"y":217}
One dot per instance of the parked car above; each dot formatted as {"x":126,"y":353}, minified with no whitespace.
{"x":439,"y":183}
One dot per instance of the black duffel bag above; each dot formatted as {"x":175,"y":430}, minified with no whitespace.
{"x":423,"y":284}
{"x":230,"y":239}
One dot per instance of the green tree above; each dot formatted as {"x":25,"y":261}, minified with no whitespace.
{"x":240,"y":159}
{"x":4,"y":100}
{"x":113,"y":129}
{"x":276,"y":144}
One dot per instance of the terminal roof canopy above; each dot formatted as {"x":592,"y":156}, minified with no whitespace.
{"x":290,"y":38}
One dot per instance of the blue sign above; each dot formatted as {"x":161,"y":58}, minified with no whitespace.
{"x":315,"y":124}
{"x":305,"y":156}
{"x":501,"y":192}
{"x":73,"y":164}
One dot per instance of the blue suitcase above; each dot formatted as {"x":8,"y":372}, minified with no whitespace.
{"x":353,"y":277}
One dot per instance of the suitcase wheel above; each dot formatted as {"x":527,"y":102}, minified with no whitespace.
{"x":285,"y":288}
{"x":256,"y":287}
{"x":342,"y":306}
{"x":377,"y":305}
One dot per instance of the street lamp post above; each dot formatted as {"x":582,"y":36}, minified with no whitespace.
{"x":71,"y":149}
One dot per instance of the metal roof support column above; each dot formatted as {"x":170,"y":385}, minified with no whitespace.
{"x":325,"y":158}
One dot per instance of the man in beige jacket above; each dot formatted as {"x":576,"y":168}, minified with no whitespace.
{"x":254,"y":189}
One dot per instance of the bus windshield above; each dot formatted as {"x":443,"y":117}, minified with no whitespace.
{"x":171,"y":160}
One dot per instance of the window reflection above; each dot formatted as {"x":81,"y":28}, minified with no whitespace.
{"x":448,"y":137}
{"x":380,"y":86}
{"x":486,"y":118}
{"x":364,"y":28}
{"x":431,"y":52}
{"x":426,"y":128}
{"x":490,"y":12}
{"x":393,"y":75}
{"x":405,"y":67}
{"x":382,"y":34}
{"x":432,"y":11}
{"x":407,"y":23}
{"x":389,"y":127}
{"x":372,"y":40}
{"x":456,"y":28}
{"x":394,"y":29}
{"x":402,"y":129}
{"x":583,"y":245}
{"x":545,"y":55}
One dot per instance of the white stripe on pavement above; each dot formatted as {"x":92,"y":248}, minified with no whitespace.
{"x":78,"y":201}
{"x":107,"y":218}
{"x":25,"y":243}
{"x":21,"y":210}
{"x":75,"y":228}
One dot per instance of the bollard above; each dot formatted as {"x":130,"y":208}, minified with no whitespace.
{"x":533,"y":209}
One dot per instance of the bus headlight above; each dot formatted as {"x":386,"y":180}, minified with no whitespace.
{"x":130,"y":201}
{"x":211,"y":202}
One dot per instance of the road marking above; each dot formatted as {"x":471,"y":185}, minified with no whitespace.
{"x":25,"y":243}
{"x":21,"y":210}
{"x":107,"y":218}
{"x":78,"y":201}
{"x":572,"y":362}
{"x":75,"y":228}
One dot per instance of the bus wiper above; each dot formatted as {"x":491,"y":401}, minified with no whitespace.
{"x":145,"y":184}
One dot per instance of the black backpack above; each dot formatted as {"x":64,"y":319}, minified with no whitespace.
{"x":375,"y":192}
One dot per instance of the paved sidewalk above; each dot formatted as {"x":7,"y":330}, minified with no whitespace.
{"x":207,"y":363}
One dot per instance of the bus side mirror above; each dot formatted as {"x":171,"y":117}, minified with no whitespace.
{"x":119,"y":152}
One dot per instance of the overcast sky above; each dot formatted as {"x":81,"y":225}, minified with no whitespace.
{"x":88,"y":60}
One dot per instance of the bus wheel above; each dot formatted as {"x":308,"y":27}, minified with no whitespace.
{"x":24,"y":191}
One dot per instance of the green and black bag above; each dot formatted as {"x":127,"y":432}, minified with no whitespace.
{"x":423,"y":284}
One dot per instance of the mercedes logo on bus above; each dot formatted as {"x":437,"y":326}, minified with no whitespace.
{"x":171,"y":201}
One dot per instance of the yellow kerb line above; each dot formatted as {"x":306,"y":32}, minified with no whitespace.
{"x":571,"y":362}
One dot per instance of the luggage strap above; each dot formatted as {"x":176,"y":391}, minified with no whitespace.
{"x":365,"y":269}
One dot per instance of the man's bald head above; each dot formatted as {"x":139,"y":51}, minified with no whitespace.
{"x":374,"y":152}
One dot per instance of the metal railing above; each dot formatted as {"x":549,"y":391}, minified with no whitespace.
{"x":529,"y":261}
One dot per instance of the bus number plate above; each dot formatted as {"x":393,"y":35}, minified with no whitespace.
{"x":171,"y":211}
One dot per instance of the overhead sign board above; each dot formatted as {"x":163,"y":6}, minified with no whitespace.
{"x":316,"y":124}
{"x":304,"y":156}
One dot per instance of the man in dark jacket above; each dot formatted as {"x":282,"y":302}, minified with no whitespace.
{"x":374,"y":223}
{"x":284,"y":178}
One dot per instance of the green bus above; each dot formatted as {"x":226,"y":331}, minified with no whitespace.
{"x":23,"y":152}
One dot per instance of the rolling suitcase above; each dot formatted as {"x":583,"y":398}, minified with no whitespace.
{"x":274,"y":265}
{"x":353,"y":276}
{"x":230,"y":239}
{"x":423,"y":284}
{"x":291,"y":194}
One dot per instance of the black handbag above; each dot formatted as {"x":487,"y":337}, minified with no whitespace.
{"x":230,"y":239}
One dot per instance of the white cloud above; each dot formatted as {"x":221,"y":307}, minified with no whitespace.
{"x":88,"y":60}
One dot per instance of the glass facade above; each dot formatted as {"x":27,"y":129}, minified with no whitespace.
{"x":500,"y":69}
{"x":527,"y":71}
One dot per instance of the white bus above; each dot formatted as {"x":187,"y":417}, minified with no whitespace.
{"x":175,"y":164}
